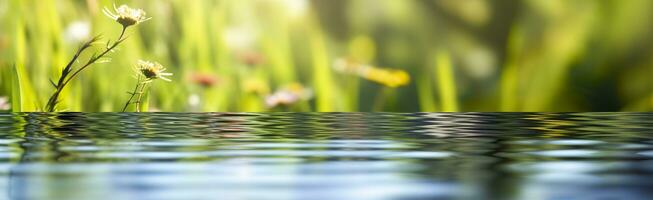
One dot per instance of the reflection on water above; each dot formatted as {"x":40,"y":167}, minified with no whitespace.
{"x":326,"y":156}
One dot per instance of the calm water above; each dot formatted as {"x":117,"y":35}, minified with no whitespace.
{"x":326,"y":156}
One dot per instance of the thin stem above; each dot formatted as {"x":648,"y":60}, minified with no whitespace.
{"x":65,"y":79}
{"x":380,"y":99}
{"x":131,"y":97}
{"x":122,"y":33}
{"x":64,"y":73}
{"x":96,"y":58}
{"x":140,"y":96}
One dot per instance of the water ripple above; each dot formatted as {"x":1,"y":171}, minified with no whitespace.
{"x":325,"y":155}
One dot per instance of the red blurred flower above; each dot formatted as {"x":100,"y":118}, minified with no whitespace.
{"x":204,"y":80}
{"x":251,"y":58}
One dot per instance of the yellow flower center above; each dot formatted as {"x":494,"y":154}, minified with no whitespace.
{"x":127,"y":16}
{"x":150,"y":70}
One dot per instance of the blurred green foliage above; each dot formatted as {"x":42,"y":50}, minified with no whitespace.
{"x":472,"y":55}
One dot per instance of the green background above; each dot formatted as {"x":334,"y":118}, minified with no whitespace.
{"x":472,"y":55}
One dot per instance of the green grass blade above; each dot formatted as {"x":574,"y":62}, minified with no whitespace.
{"x":446,"y":81}
{"x":425,"y":94}
{"x":323,"y":81}
{"x":23,"y":96}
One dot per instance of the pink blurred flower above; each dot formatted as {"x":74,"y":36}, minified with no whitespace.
{"x":288,"y":96}
{"x":4,"y":103}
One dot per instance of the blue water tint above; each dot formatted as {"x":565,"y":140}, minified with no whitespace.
{"x":326,"y":156}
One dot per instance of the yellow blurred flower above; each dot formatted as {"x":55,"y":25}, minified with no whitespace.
{"x":348,"y":66}
{"x":299,"y":90}
{"x":389,"y":77}
{"x":126,"y":16}
{"x":256,"y":86}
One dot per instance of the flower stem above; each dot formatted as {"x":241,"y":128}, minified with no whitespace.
{"x":140,"y":96}
{"x":133,"y":94}
{"x":380,"y":99}
{"x":66,"y":75}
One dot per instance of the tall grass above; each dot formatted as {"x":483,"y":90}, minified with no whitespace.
{"x":551,"y":56}
{"x":325,"y":88}
{"x":24,"y":97}
{"x":446,"y":81}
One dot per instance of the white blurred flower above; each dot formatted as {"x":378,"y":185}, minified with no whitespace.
{"x":194,"y":100}
{"x":239,"y":38}
{"x":4,"y":7}
{"x":295,"y":8}
{"x":78,"y":31}
{"x":4,"y":103}
{"x":153,"y":109}
{"x":480,"y":63}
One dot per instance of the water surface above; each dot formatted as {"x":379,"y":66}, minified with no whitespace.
{"x":326,"y":156}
